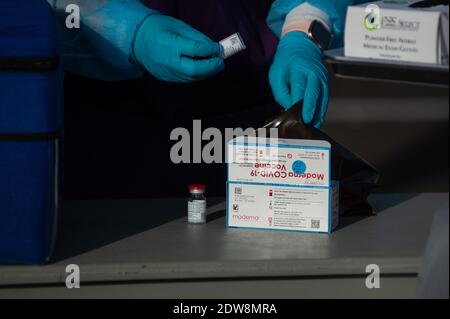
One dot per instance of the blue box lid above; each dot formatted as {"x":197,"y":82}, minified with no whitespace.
{"x":27,"y":29}
{"x":30,"y":75}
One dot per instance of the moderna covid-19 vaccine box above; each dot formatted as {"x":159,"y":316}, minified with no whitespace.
{"x":281,"y":184}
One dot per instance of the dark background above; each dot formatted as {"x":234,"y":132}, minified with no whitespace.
{"x":117,"y":145}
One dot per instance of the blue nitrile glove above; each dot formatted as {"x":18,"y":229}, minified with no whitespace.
{"x":298,"y":73}
{"x":173,"y":51}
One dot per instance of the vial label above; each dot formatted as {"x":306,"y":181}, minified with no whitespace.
{"x":232,"y":45}
{"x":197,"y":211}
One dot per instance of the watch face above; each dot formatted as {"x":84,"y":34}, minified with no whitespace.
{"x":321,"y":35}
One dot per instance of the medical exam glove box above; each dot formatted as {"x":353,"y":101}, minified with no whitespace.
{"x":30,"y":123}
{"x":281,"y":184}
{"x":409,"y":31}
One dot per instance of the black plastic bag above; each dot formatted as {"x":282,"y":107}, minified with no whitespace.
{"x":356,"y":177}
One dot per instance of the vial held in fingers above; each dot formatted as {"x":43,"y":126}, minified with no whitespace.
{"x":232,"y":45}
{"x":197,"y":204}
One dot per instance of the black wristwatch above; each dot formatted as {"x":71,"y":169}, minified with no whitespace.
{"x":315,"y":30}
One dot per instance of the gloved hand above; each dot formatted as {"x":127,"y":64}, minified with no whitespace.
{"x":174,"y":52}
{"x":298,"y":73}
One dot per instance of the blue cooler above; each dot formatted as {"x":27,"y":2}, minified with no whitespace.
{"x":30,"y":125}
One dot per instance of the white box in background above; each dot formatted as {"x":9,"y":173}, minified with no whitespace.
{"x":395,"y":31}
{"x":281,"y":184}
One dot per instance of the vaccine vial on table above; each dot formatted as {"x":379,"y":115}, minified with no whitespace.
{"x":197,"y":204}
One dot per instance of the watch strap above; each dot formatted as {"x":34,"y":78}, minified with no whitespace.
{"x":297,"y":25}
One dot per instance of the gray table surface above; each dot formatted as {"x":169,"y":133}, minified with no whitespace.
{"x":145,"y":240}
{"x":385,"y":70}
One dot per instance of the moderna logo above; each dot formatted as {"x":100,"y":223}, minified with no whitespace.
{"x":246,"y":218}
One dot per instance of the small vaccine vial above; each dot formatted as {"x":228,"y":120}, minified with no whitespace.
{"x":197,"y":204}
{"x":232,"y":45}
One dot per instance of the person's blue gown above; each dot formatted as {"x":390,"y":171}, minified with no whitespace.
{"x":118,"y":133}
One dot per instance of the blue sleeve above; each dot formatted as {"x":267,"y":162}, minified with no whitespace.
{"x":336,"y":10}
{"x":102,"y":47}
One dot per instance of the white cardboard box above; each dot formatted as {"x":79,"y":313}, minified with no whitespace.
{"x":395,"y":31}
{"x":281,"y":184}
